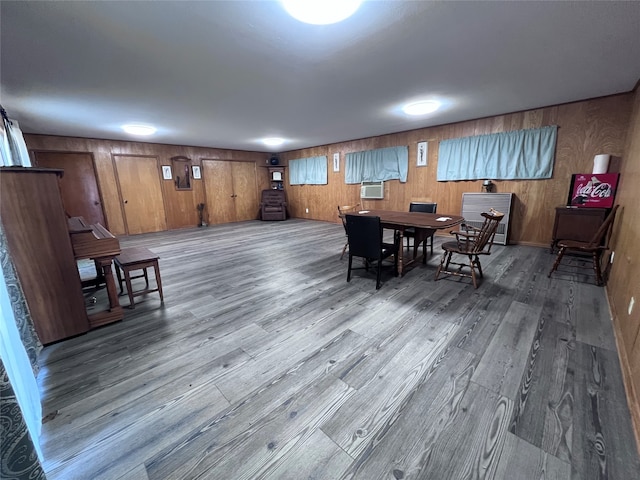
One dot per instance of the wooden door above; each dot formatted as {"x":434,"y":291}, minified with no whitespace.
{"x":245,"y":188}
{"x":79,"y":186}
{"x":141,"y":194}
{"x":218,"y":185}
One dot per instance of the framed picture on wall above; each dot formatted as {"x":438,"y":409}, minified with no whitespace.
{"x":421,"y":160}
{"x":166,"y":172}
{"x":336,"y":162}
{"x":196,"y":172}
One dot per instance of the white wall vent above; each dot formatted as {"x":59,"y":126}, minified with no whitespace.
{"x":372,"y":190}
{"x":473,"y":204}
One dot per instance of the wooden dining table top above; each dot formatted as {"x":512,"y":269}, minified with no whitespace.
{"x":433,"y":221}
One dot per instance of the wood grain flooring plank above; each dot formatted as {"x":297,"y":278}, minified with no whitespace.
{"x":254,"y":406}
{"x":473,"y":440}
{"x":503,"y":364}
{"x":317,"y":458}
{"x":80,"y":425}
{"x":519,"y":460}
{"x":138,"y":473}
{"x":264,"y":443}
{"x":593,"y":320}
{"x":364,"y":365}
{"x":543,"y":413}
{"x":603,"y":440}
{"x":481,"y":318}
{"x":370,"y":408}
{"x":117,"y":453}
{"x":399,"y":448}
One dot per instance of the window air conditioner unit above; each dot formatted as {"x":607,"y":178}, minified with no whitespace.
{"x":372,"y":190}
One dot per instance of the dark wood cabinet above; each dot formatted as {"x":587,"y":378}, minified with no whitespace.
{"x":38,"y":241}
{"x":576,"y":224}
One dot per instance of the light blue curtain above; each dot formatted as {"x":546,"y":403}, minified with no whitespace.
{"x":517,"y":155}
{"x":377,"y":165}
{"x":308,"y":171}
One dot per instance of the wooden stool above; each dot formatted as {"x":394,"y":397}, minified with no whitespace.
{"x":137,"y":258}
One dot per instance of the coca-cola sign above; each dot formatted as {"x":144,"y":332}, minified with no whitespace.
{"x":593,"y":189}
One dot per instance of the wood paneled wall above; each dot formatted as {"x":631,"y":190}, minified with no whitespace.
{"x":585,"y":129}
{"x":180,"y":205}
{"x":624,"y":281}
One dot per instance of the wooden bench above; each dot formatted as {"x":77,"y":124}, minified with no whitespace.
{"x":137,"y":258}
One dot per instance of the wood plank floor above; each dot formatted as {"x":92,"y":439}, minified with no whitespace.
{"x":264,"y":363}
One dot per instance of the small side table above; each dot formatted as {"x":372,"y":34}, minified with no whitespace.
{"x":137,"y":258}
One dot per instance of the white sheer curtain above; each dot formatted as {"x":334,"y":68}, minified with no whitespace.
{"x":18,"y":367}
{"x":13,"y":149}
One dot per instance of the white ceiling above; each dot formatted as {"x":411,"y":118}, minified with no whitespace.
{"x":227,"y":73}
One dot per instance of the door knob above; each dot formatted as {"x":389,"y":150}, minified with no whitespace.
{"x":96,"y":203}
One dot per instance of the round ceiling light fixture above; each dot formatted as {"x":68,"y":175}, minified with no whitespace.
{"x":421,"y":108}
{"x":273,"y":141}
{"x":321,"y":12}
{"x":142,"y":130}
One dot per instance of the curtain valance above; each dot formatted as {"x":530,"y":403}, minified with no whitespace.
{"x":521,"y":154}
{"x":377,"y":165}
{"x":308,"y":171}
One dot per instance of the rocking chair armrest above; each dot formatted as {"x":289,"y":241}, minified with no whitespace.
{"x":463,"y":239}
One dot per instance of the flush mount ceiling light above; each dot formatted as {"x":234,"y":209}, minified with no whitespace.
{"x":421,"y":108}
{"x":273,"y":141}
{"x":142,"y":130}
{"x":321,"y":12}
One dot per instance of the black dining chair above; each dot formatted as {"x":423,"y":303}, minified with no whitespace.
{"x":411,"y":232}
{"x":365,"y":240}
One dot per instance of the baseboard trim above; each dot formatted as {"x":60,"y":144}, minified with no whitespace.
{"x":633,"y":399}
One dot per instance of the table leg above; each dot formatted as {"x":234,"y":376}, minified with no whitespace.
{"x":400,"y":251}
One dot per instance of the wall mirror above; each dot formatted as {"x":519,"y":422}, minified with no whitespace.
{"x":181,"y":167}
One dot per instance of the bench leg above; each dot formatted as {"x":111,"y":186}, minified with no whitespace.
{"x":127,"y":279}
{"x":119,"y":278}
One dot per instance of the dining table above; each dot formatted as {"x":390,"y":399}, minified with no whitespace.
{"x":424,"y":224}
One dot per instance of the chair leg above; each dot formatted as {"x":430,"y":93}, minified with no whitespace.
{"x":431,"y":244}
{"x":378,"y":275}
{"x":444,"y":256}
{"x":446,"y":265}
{"x":557,"y":262}
{"x":473,"y":272}
{"x":596,"y":268}
{"x":477,"y":262}
{"x":349,"y":268}
{"x":344,"y":249}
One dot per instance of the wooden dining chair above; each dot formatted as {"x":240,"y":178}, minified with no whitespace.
{"x":342,"y":211}
{"x":472,"y":242}
{"x":411,"y":232}
{"x":365,"y":240}
{"x":594,"y":248}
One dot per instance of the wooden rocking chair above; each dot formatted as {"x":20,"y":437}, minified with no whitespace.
{"x":471,"y":242}
{"x":595,"y":247}
{"x":342,"y":212}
